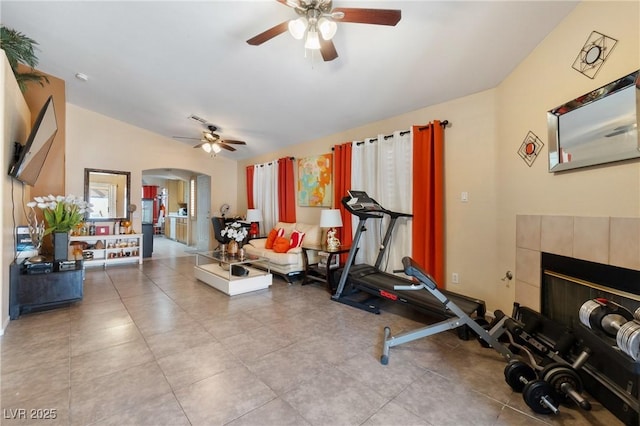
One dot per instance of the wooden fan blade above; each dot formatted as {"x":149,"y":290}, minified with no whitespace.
{"x":200,"y":145}
{"x":269,"y":34}
{"x":183,"y":137}
{"x":328,"y":50}
{"x":233,"y":142}
{"x":291,"y":3}
{"x":369,"y":16}
{"x":225,"y":146}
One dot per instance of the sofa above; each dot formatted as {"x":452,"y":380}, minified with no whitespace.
{"x":289,"y":264}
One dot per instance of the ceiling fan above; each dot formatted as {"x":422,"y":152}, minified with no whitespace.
{"x":317,"y":23}
{"x":212,"y":142}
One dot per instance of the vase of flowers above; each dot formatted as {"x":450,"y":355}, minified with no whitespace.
{"x":236,"y":233}
{"x":61,"y":214}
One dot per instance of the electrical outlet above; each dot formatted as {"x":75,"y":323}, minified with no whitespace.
{"x":455,"y":278}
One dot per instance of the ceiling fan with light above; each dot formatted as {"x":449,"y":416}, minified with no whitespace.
{"x":317,"y":23}
{"x":211,"y":142}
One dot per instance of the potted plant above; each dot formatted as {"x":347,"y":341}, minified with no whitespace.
{"x":62,"y":214}
{"x":236,"y":233}
{"x":21,"y":49}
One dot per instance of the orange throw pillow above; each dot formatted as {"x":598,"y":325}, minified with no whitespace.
{"x":281,"y":245}
{"x":271,"y":238}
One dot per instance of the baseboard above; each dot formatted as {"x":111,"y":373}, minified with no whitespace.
{"x":5,"y":324}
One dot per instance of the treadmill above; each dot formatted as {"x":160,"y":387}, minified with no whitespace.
{"x":369,"y":281}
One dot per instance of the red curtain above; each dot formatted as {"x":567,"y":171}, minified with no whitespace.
{"x":342,"y":183}
{"x":250,"y":187}
{"x":286,"y":190}
{"x":428,"y":199}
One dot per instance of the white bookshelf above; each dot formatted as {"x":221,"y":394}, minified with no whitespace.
{"x":116,"y":249}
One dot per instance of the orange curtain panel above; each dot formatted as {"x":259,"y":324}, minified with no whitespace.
{"x":342,"y":183}
{"x":286,"y":190}
{"x":250,"y":187}
{"x":428,"y":199}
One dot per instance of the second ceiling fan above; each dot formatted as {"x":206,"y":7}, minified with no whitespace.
{"x":212,"y":142}
{"x":317,"y":23}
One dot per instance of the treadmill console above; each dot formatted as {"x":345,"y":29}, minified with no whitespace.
{"x":360,"y":201}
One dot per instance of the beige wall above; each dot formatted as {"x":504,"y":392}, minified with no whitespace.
{"x":481,"y":152}
{"x":543,"y":81}
{"x":14,"y":127}
{"x":103,"y":143}
{"x":51,"y":178}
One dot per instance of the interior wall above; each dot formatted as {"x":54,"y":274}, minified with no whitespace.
{"x":481,"y":148}
{"x":104,"y":143}
{"x":14,"y":127}
{"x":51,"y":178}
{"x":542,"y":82}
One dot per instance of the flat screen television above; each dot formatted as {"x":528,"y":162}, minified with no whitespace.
{"x":29,"y":158}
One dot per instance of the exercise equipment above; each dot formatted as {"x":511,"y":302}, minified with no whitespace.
{"x":559,"y":374}
{"x":616,"y":321}
{"x":369,"y":280}
{"x":538,"y":394}
{"x":459,"y":317}
{"x":566,"y":383}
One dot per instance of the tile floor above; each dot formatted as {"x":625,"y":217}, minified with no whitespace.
{"x":150,"y":345}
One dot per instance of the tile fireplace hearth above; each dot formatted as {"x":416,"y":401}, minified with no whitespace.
{"x":563,"y":262}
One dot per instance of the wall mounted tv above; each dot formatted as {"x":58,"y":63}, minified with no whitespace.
{"x":29,"y":158}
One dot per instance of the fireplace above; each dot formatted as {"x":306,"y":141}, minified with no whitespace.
{"x":567,"y":283}
{"x":563,"y":262}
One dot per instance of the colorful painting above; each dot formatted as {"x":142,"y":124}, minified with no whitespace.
{"x":314,"y":181}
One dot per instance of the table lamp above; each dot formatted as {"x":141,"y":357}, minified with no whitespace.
{"x":331,"y":219}
{"x":254,"y":217}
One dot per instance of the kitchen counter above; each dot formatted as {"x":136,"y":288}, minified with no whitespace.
{"x":177,"y":228}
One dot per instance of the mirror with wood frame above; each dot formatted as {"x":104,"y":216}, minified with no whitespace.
{"x":109,"y":192}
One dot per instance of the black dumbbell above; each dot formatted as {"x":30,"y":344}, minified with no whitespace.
{"x":566,"y":382}
{"x":537,"y":394}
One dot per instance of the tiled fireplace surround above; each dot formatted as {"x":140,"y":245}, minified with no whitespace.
{"x":611,"y":241}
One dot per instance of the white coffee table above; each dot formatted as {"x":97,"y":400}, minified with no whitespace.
{"x":215,"y":269}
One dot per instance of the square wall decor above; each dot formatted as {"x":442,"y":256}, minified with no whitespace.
{"x":595,"y":51}
{"x":315,"y":181}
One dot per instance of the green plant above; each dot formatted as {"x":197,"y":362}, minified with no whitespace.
{"x":21,"y":49}
{"x":61,"y":213}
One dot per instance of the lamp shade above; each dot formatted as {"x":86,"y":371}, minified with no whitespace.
{"x":254,"y":215}
{"x":330,"y":218}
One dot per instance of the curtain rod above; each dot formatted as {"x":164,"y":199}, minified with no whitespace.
{"x":273,"y":162}
{"x":444,"y":124}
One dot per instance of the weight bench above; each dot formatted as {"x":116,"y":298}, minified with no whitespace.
{"x":459,"y":318}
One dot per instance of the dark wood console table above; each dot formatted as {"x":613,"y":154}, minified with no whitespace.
{"x":34,"y":292}
{"x":316,"y":272}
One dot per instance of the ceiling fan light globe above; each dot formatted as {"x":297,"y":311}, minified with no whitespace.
{"x":327,"y":28}
{"x":215,"y":148}
{"x":297,"y":27}
{"x":206,"y":147}
{"x":313,"y":41}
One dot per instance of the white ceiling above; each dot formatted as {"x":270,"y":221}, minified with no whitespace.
{"x":154,"y":63}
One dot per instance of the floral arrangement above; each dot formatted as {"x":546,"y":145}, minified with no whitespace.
{"x":235,"y":231}
{"x":61,"y":213}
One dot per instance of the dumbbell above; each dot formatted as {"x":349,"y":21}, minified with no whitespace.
{"x":616,"y":321}
{"x":566,"y":382}
{"x":537,"y":394}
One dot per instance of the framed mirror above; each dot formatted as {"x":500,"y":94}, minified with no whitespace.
{"x":596,"y":128}
{"x":109,"y":193}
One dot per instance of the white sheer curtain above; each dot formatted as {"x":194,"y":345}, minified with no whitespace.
{"x":383,"y":168}
{"x":265,"y":193}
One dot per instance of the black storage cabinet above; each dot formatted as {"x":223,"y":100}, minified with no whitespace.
{"x":37,"y":292}
{"x":147,"y":239}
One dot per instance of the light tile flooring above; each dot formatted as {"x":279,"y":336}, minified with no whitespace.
{"x":150,"y":345}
